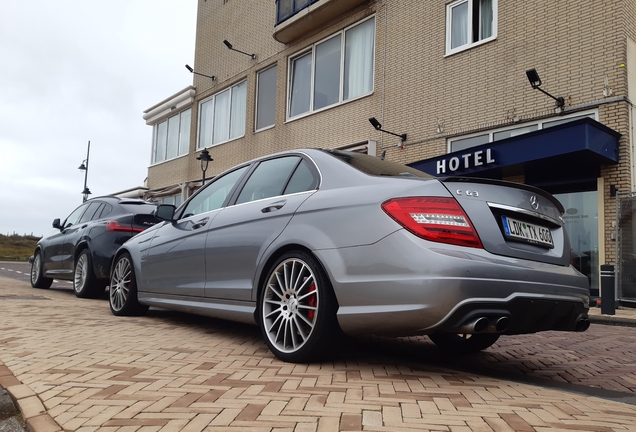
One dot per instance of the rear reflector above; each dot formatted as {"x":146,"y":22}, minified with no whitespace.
{"x":437,"y":219}
{"x":116,"y":226}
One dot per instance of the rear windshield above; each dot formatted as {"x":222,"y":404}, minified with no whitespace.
{"x":375,"y":166}
{"x":138,"y":207}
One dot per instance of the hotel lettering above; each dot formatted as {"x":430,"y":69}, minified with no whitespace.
{"x":465,"y":161}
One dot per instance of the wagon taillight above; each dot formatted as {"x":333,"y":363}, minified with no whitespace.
{"x":116,"y":226}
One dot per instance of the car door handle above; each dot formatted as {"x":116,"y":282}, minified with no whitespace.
{"x":200,"y":223}
{"x":276,"y":206}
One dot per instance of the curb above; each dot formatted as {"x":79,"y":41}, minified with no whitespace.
{"x":613,"y":320}
{"x":30,"y":406}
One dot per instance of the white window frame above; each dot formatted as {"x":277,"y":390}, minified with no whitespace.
{"x":312,"y":49}
{"x":212,"y":100}
{"x":258,"y":75}
{"x":593,"y":114}
{"x":468,"y":45}
{"x":155,"y":131}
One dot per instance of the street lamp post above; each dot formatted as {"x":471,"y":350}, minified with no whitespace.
{"x":205,"y":159}
{"x":84,"y":167}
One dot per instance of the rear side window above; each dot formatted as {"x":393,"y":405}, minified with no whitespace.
{"x":90,"y":212}
{"x":138,"y":208}
{"x":106,"y":210}
{"x":302,"y":180}
{"x":268,"y":179}
{"x":375,"y":166}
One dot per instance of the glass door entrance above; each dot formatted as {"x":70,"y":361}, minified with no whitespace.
{"x":581,"y":224}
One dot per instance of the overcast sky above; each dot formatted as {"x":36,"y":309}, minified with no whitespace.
{"x":73,"y":71}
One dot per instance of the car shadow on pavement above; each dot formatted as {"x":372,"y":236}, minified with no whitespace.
{"x":539,"y":359}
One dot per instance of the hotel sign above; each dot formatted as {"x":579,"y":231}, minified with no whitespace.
{"x":465,"y":161}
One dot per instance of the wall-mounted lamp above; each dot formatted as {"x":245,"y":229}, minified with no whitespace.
{"x":535,"y":82}
{"x":376,"y":124}
{"x":212,"y":77}
{"x":229,"y":45}
{"x":205,"y":159}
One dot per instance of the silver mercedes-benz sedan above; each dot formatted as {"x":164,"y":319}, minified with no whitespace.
{"x":311,"y":243}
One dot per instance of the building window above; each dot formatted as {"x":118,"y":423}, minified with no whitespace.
{"x":473,"y":140}
{"x":222,"y":116}
{"x":175,"y":200}
{"x":469,"y":23}
{"x":333,"y":71}
{"x":266,"y":98}
{"x":171,"y":138}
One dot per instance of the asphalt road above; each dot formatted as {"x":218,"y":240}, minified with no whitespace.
{"x":22,"y":270}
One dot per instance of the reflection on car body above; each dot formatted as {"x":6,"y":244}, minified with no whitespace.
{"x":311,"y":243}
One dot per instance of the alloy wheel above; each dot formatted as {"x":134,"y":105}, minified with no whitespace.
{"x":290,"y":305}
{"x":120,"y":284}
{"x":36,"y":268}
{"x":81,"y":272}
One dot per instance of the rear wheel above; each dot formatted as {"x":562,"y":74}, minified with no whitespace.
{"x":37,"y":276}
{"x":122,"y":294}
{"x":297,"y":309}
{"x":85,"y":284}
{"x":463,"y":343}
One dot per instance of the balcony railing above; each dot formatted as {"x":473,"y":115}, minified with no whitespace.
{"x":286,"y":9}
{"x":295,"y":18}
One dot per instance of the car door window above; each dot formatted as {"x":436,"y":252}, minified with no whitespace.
{"x":75,"y":216}
{"x":302,"y":180}
{"x":89,"y":214}
{"x":268,"y":179}
{"x":214,"y":194}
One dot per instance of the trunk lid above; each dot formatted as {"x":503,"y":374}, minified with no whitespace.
{"x":513,"y":220}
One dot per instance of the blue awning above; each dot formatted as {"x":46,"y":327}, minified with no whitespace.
{"x":580,"y":143}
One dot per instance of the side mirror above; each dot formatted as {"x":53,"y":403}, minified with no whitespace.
{"x":165,"y":212}
{"x":56,"y":224}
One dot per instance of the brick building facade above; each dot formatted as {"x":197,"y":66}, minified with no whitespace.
{"x":451,"y":75}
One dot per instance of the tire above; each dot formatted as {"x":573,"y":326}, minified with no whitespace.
{"x":37,"y":276}
{"x":463,"y":343}
{"x":85,"y":284}
{"x":297,"y":310}
{"x":122,"y":294}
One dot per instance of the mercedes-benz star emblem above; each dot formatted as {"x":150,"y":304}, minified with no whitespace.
{"x":534,"y":202}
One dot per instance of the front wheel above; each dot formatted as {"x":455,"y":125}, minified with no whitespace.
{"x":297,"y":309}
{"x":122,"y":294}
{"x":85,"y":284}
{"x":463,"y":343}
{"x":37,"y":276}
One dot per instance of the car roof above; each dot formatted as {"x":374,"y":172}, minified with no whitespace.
{"x":120,"y":200}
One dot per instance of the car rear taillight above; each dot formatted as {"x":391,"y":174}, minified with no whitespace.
{"x":437,"y":219}
{"x":116,"y":226}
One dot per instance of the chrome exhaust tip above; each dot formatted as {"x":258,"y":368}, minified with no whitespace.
{"x":501,"y":324}
{"x":476,"y":325}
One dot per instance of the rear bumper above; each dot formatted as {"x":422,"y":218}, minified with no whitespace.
{"x":404,"y":285}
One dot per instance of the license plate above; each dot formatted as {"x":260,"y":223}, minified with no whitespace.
{"x":527,"y":232}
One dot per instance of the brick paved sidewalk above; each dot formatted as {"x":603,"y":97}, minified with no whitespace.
{"x":73,"y":366}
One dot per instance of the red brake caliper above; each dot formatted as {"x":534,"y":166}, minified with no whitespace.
{"x":312,"y":302}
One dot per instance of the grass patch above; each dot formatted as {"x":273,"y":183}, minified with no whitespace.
{"x":16,"y":247}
